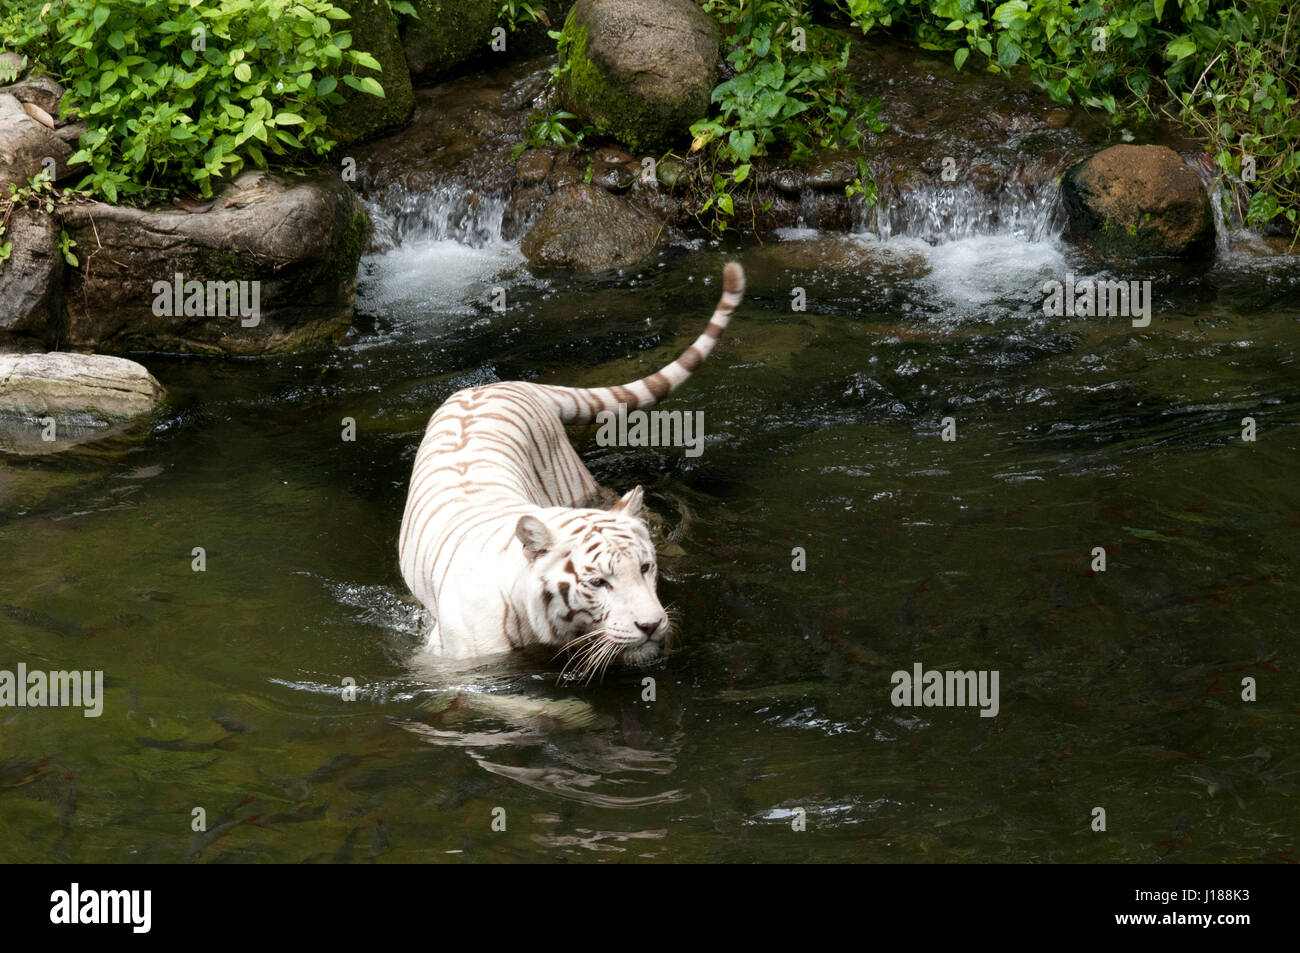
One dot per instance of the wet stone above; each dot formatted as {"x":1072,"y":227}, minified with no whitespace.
{"x":613,"y":155}
{"x":669,"y":171}
{"x":615,"y":178}
{"x":789,"y":181}
{"x":831,"y":172}
{"x":534,"y":166}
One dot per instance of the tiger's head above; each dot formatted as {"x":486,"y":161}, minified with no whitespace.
{"x":595,"y":573}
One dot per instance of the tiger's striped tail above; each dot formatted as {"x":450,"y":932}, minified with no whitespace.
{"x":580,"y":405}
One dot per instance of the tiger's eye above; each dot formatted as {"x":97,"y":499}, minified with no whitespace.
{"x":645,"y":568}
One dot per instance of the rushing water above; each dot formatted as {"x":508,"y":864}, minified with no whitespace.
{"x":1118,"y":689}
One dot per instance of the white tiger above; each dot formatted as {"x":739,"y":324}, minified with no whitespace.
{"x":501,"y":539}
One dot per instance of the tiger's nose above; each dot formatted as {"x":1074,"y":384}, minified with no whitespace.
{"x":650,"y":628}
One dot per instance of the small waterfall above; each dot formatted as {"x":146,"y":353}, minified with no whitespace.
{"x":443,"y":213}
{"x":938,"y":214}
{"x":436,"y":250}
{"x":1224,"y":193}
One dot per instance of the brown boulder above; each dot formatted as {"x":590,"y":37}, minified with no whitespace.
{"x":1138,"y":202}
{"x":587,"y":228}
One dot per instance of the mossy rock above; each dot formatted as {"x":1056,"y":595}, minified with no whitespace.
{"x":363,"y":116}
{"x":639,"y":70}
{"x":447,"y":35}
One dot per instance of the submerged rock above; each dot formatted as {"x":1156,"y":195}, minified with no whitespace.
{"x":49,"y":402}
{"x":1139,"y":201}
{"x":271,"y":266}
{"x":639,"y":70}
{"x":585,"y":227}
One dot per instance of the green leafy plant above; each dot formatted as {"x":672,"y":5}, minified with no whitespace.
{"x":66,"y":244}
{"x":514,"y":13}
{"x":11,"y":71}
{"x":551,"y":130}
{"x":177,"y":94}
{"x":790,"y":86}
{"x":789,"y":93}
{"x":39,"y":194}
{"x":1246,"y":102}
{"x":863,"y":186}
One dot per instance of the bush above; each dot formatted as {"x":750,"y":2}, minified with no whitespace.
{"x":790,"y":88}
{"x":179,"y":93}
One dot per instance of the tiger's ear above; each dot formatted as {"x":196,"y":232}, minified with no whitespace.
{"x":537,"y":539}
{"x":630,"y":503}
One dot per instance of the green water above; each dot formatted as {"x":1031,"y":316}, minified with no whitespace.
{"x":1119,"y":689}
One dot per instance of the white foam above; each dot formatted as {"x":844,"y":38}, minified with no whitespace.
{"x":432,"y":275}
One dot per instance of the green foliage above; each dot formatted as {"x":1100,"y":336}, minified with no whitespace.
{"x":1229,"y":67}
{"x":1246,"y":102}
{"x":11,"y":71}
{"x":517,"y":12}
{"x":39,"y":194}
{"x":551,"y":130}
{"x":790,"y":91}
{"x":179,"y":93}
{"x":790,"y":86}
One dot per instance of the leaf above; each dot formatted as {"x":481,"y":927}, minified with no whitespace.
{"x":243,"y":72}
{"x":959,"y":57}
{"x":98,"y":17}
{"x":1180,"y":48}
{"x":288,"y":119}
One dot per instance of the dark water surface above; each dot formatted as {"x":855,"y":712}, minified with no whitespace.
{"x":1119,"y":690}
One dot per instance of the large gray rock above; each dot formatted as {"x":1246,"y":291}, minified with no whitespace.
{"x":38,"y":89}
{"x":31,"y":284}
{"x":1138,"y":202}
{"x":639,"y":70}
{"x":49,"y":402}
{"x":587,"y":228}
{"x":25,"y":144}
{"x":270,"y":265}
